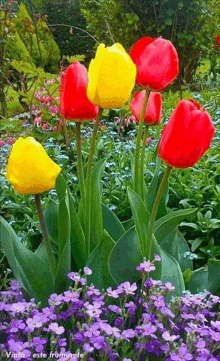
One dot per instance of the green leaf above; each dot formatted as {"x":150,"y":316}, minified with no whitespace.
{"x":60,"y":186}
{"x":214,"y":275}
{"x":152,"y":192}
{"x":171,"y":272}
{"x":30,"y":271}
{"x":187,"y":274}
{"x":128,"y":224}
{"x":168,"y":21}
{"x":126,"y":256}
{"x":98,"y":262}
{"x":141,"y":218}
{"x":112,"y":224}
{"x":198,"y":282}
{"x":51,"y":220}
{"x":41,"y":253}
{"x":77,"y":237}
{"x":175,"y":244}
{"x":64,"y":251}
{"x":167,"y":223}
{"x":196,"y":243}
{"x":96,"y":220}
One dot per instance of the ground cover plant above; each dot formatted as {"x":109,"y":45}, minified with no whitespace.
{"x":108,"y":205}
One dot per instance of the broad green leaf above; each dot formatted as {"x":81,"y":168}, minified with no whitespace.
{"x":166,"y":224}
{"x":171,"y":272}
{"x":128,"y":224}
{"x":77,"y":238}
{"x":41,"y":253}
{"x":214,"y":276}
{"x":175,"y":244}
{"x":64,"y":251}
{"x":51,"y":219}
{"x":96,"y":220}
{"x":198,"y":282}
{"x":152,"y":192}
{"x":112,"y":224}
{"x":60,"y":186}
{"x":30,"y":271}
{"x":125,"y":256}
{"x":141,"y":218}
{"x":98,"y":262}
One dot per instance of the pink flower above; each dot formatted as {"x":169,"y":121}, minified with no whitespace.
{"x":37,"y":121}
{"x":55,"y":129}
{"x":11,"y":141}
{"x":2,"y":143}
{"x":45,"y":126}
{"x":54,"y":109}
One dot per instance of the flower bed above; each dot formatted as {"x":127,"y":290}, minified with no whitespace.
{"x":130,"y":323}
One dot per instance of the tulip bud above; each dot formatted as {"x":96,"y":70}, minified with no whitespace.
{"x":157,"y":62}
{"x":111,"y":77}
{"x":187,"y":135}
{"x":29,"y":168}
{"x":74,"y":103}
{"x":153,"y":112}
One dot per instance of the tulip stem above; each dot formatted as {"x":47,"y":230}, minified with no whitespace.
{"x":66,"y":139}
{"x":88,"y":179}
{"x":45,"y":235}
{"x":138,"y":141}
{"x":141,"y":178}
{"x":80,"y":165}
{"x":154,"y":212}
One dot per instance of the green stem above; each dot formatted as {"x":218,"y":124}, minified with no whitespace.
{"x":154,"y":211}
{"x":141,"y":177}
{"x":45,"y":235}
{"x":88,"y":180}
{"x":80,"y":165}
{"x":65,"y":134}
{"x":138,"y":140}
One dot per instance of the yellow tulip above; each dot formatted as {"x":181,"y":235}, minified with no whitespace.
{"x":29,"y":168}
{"x":111,"y":76}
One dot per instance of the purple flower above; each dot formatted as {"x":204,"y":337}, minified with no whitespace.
{"x":48,"y":312}
{"x":62,"y":342}
{"x":70,"y":296}
{"x":111,"y":293}
{"x":149,"y":330}
{"x":166,"y":336}
{"x":157,"y":258}
{"x":115,"y":309}
{"x":55,"y":300}
{"x":56,"y":328}
{"x":16,"y":325}
{"x":146,"y":266}
{"x":19,"y":348}
{"x":129,"y":333}
{"x":78,"y":337}
{"x":39,"y":343}
{"x":127,"y":288}
{"x":182,"y":354}
{"x":87,"y":271}
{"x":200,"y":345}
{"x":87,"y":348}
{"x":34,"y":322}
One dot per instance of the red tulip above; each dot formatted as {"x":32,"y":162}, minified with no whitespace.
{"x":187,"y":135}
{"x":157,"y":62}
{"x":153,"y":111}
{"x":74,"y":103}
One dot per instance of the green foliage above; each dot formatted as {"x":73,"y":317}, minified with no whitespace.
{"x":38,"y":39}
{"x":69,"y":27}
{"x":191,"y":25}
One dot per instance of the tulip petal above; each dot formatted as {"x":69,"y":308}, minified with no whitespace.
{"x":29,"y":168}
{"x":111,"y":77}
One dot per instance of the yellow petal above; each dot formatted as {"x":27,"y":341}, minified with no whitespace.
{"x":111,"y":77}
{"x":29,"y":168}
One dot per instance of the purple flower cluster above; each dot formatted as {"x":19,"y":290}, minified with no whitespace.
{"x":125,"y":324}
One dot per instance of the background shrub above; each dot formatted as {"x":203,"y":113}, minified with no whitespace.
{"x":190,"y":24}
